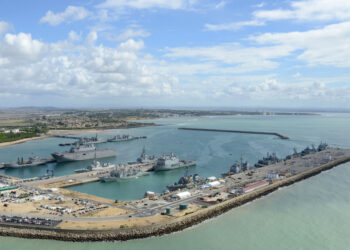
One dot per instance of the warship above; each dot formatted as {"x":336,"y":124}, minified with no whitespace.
{"x":268,"y":160}
{"x":31,"y":162}
{"x":81,"y":152}
{"x":236,"y":168}
{"x":322,"y":146}
{"x":186,"y":181}
{"x":144,"y":158}
{"x":119,"y":138}
{"x":123,"y":172}
{"x":169,"y":162}
{"x":96,"y":165}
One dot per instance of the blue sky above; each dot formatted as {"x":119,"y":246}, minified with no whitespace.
{"x":175,"y":53}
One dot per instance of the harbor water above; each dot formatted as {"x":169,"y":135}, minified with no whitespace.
{"x":312,"y":214}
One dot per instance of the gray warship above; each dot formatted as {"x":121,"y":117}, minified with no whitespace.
{"x":31,"y":162}
{"x":123,"y":172}
{"x":186,"y":181}
{"x":169,"y":162}
{"x":144,"y":158}
{"x":119,"y":138}
{"x":96,"y":165}
{"x":237,"y":167}
{"x":81,"y":152}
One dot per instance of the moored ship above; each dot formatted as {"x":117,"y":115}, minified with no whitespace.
{"x":31,"y":162}
{"x":123,"y":172}
{"x":96,"y":165}
{"x":169,"y":162}
{"x":81,"y":152}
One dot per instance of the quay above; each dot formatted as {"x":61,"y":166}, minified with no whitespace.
{"x":77,"y":179}
{"x":146,"y":217}
{"x":238,"y":131}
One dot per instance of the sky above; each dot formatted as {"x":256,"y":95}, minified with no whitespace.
{"x":175,"y":53}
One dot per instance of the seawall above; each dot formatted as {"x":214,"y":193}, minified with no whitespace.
{"x":164,"y":228}
{"x":238,"y":131}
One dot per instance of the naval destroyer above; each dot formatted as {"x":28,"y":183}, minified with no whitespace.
{"x":31,"y":162}
{"x":96,"y":165}
{"x":123,"y":172}
{"x":81,"y":152}
{"x":169,"y":162}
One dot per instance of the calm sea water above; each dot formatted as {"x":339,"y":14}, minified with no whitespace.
{"x":313,"y":214}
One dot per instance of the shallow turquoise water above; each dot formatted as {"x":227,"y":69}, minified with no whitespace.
{"x":313,"y":214}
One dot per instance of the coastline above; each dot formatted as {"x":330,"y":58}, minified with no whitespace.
{"x":10,"y":143}
{"x":162,"y":228}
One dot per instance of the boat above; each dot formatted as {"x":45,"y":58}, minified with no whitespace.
{"x":96,"y":165}
{"x":144,"y":158}
{"x":81,"y":152}
{"x":186,"y":181}
{"x":268,"y":160}
{"x":169,"y":162}
{"x":31,"y":162}
{"x":119,"y":138}
{"x":123,"y":172}
{"x":237,"y":167}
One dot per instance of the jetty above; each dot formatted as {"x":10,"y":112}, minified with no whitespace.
{"x":238,"y":131}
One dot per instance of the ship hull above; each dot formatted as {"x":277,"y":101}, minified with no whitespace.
{"x":82,"y":156}
{"x":180,"y":165}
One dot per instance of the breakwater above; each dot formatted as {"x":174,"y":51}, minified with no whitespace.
{"x":238,"y":131}
{"x":163,"y":228}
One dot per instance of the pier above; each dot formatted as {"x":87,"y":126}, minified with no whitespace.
{"x":77,"y":179}
{"x":238,"y":131}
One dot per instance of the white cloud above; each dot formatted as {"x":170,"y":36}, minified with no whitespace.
{"x":233,"y":26}
{"x":73,"y":36}
{"x":259,"y":5}
{"x":71,"y":13}
{"x":4,"y":26}
{"x":20,"y":48}
{"x":220,"y":5}
{"x":146,"y":4}
{"x":91,"y":38}
{"x":132,"y":45}
{"x":309,"y":10}
{"x":245,"y":58}
{"x":326,"y":46}
{"x":73,"y":72}
{"x":132,"y":33}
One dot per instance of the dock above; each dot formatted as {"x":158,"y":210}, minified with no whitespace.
{"x":238,"y":131}
{"x":78,"y":178}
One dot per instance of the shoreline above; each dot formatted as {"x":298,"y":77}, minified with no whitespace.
{"x":10,"y":143}
{"x":175,"y":225}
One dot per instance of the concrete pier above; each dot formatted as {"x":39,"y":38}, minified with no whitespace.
{"x":238,"y":131}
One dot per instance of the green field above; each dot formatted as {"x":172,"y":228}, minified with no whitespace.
{"x":27,"y":133}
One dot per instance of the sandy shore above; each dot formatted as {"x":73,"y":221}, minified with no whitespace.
{"x":5,"y":144}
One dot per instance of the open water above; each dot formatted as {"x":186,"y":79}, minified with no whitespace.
{"x":312,"y":214}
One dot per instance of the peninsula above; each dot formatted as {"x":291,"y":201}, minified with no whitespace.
{"x":42,"y":208}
